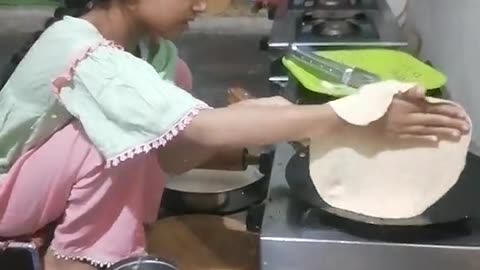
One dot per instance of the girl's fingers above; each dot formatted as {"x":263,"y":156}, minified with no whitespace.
{"x":418,"y":138}
{"x":446,"y":109}
{"x":416,"y":96}
{"x":436,"y":120}
{"x":442,"y":132}
{"x":416,"y":93}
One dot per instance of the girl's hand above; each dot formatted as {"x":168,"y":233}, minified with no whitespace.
{"x":241,"y":97}
{"x":411,"y":116}
{"x":269,"y":101}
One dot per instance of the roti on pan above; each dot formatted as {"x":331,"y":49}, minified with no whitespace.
{"x":361,"y":171}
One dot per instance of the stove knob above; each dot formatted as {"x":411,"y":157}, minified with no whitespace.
{"x":263,"y":44}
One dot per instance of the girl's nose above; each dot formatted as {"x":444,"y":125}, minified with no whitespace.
{"x":200,"y":6}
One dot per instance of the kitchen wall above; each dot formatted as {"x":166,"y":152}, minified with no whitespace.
{"x":450,"y":34}
{"x":397,"y":5}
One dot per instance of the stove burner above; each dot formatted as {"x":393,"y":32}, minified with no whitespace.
{"x":334,"y":24}
{"x":356,"y":15}
{"x":331,"y":3}
{"x":335,"y":28}
{"x":336,"y":3}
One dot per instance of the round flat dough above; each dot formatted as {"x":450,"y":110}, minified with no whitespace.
{"x":366,"y":173}
{"x":213,"y":181}
{"x":370,"y":103}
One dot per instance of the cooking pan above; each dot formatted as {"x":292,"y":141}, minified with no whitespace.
{"x":457,"y":204}
{"x":225,"y":201}
{"x":222,"y":201}
{"x":142,"y":263}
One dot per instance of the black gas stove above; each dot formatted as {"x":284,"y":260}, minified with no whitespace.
{"x":297,"y":236}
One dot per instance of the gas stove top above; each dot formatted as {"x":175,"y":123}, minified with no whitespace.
{"x":340,"y":25}
{"x":332,"y":4}
{"x":295,"y":236}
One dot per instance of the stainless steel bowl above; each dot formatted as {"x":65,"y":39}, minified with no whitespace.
{"x":142,"y":263}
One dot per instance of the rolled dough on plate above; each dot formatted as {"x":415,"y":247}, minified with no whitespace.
{"x":213,"y":181}
{"x":366,"y":173}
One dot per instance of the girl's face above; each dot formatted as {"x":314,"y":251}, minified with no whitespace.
{"x":167,"y":18}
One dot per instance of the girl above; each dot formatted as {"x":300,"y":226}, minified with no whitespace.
{"x":87,"y":130}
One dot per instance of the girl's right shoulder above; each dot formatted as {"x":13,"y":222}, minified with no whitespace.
{"x":70,"y":31}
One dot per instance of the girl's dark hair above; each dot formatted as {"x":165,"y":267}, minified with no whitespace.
{"x":74,"y":8}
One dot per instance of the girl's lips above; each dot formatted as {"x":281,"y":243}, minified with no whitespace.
{"x":189,"y":20}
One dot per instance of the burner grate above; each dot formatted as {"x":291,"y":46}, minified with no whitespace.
{"x":337,"y":24}
{"x":335,"y":28}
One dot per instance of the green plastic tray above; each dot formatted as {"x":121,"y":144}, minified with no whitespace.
{"x":387,"y":64}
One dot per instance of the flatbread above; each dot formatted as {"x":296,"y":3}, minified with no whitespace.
{"x":366,"y":173}
{"x":213,"y":181}
{"x":371,"y":102}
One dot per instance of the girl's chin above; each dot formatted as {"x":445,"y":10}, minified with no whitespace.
{"x":182,"y":28}
{"x":174,"y":32}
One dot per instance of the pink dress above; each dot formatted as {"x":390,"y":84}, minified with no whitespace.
{"x":74,"y":190}
{"x":100,"y":210}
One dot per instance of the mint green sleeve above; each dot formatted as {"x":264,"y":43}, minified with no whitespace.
{"x":123,"y":105}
